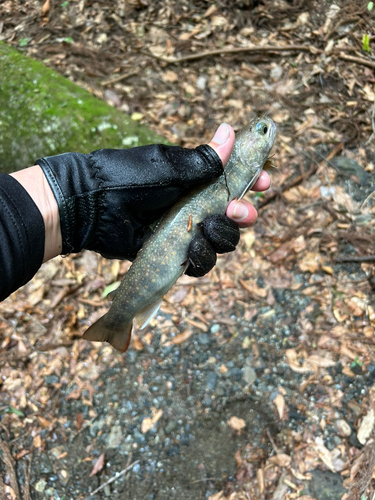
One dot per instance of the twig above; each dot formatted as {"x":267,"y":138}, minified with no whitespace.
{"x":373,"y":125}
{"x":237,"y":50}
{"x":356,"y":258}
{"x":87,"y":424}
{"x":9,"y":464}
{"x":26,"y":487}
{"x":297,"y":180}
{"x":371,"y":195}
{"x":114,"y":478}
{"x":358,"y":60}
{"x":274,"y":446}
{"x":119,"y":78}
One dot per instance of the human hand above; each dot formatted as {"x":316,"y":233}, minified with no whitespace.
{"x":108,"y":199}
{"x":220,"y":233}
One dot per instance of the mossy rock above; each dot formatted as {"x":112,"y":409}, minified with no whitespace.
{"x":42,"y":113}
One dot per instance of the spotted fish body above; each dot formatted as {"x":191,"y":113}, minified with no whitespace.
{"x":162,"y":259}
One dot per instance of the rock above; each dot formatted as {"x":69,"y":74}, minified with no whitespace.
{"x":64,"y":476}
{"x":211,"y":380}
{"x":115,"y":437}
{"x":215,"y":328}
{"x":171,"y":425}
{"x":42,"y":113}
{"x":324,"y":485}
{"x":249,"y":375}
{"x":343,"y":427}
{"x":40,"y":485}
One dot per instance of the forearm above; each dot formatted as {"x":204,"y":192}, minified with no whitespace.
{"x":35,"y":183}
{"x":22,"y":236}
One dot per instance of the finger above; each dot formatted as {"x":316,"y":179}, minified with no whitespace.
{"x":222,"y":142}
{"x":263,"y":183}
{"x":242,"y":212}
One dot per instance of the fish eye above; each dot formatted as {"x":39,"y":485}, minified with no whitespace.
{"x":262,"y":128}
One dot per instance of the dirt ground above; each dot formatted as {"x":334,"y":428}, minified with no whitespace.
{"x":256,"y":381}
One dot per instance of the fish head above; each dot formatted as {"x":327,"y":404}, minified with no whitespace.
{"x":255,"y":141}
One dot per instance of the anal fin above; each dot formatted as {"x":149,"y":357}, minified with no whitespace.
{"x":143,"y":318}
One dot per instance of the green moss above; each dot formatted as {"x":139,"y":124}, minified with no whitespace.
{"x":43,"y":113}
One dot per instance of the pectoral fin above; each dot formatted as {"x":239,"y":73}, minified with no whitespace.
{"x":118,"y":338}
{"x":143,"y":318}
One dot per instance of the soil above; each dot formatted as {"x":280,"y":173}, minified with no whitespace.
{"x":280,"y":335}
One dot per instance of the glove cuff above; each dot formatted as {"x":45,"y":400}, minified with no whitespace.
{"x":77,"y":198}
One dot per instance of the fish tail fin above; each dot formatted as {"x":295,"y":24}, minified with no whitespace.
{"x":118,"y":338}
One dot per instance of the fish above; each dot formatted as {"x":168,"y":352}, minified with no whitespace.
{"x":163,"y":257}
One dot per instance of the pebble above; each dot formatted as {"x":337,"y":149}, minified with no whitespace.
{"x":51,"y":379}
{"x":40,"y":485}
{"x":204,"y":339}
{"x":56,"y":451}
{"x":64,"y":476}
{"x":201,"y":82}
{"x":343,"y":427}
{"x":249,"y":375}
{"x":114,"y":437}
{"x":211,"y":380}
{"x":172,"y":424}
{"x":215,"y":328}
{"x":220,"y":391}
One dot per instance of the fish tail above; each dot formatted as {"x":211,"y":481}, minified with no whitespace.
{"x":119,"y":337}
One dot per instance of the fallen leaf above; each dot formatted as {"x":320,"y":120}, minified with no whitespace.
{"x":366,"y":427}
{"x":282,"y":460}
{"x":99,"y":464}
{"x":147,"y":424}
{"x":236,"y":424}
{"x":137,"y":343}
{"x":211,"y":9}
{"x":10,"y":492}
{"x":279,"y":402}
{"x":170,"y":76}
{"x":311,"y":262}
{"x":178,"y":339}
{"x":217,"y":496}
{"x":44,"y":422}
{"x":324,"y":454}
{"x":79,"y":420}
{"x":136,"y":116}
{"x":46,"y":7}
{"x":22,"y":454}
{"x":37,"y":441}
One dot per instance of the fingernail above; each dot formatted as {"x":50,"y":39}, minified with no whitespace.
{"x":240,"y":212}
{"x":222,"y":134}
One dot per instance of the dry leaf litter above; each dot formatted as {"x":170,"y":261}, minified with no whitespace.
{"x":257,"y":381}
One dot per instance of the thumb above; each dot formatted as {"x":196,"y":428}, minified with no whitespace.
{"x":222,"y":142}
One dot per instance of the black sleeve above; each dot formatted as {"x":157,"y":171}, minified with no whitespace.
{"x":21,"y":236}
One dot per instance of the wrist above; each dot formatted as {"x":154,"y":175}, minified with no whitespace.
{"x":35,"y":183}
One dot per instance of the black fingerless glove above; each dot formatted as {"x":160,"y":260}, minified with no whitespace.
{"x":220,"y":234}
{"x":108,"y":199}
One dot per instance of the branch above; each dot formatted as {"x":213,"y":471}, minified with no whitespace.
{"x":358,"y":60}
{"x":119,"y":78}
{"x":373,"y":125}
{"x":356,"y":258}
{"x":237,"y":50}
{"x":10,"y":468}
{"x":114,"y":478}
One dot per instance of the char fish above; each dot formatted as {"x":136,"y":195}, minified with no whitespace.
{"x":162,"y":259}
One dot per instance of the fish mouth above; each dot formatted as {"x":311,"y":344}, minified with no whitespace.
{"x":263,"y":144}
